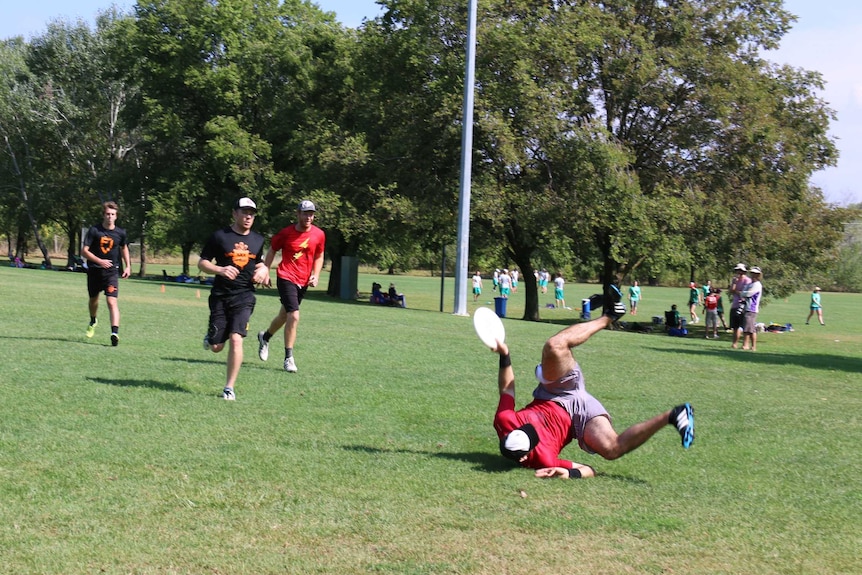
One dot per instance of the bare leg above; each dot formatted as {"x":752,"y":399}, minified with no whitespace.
{"x":736,"y":334}
{"x":290,"y":325}
{"x":234,"y":359}
{"x":557,"y":358}
{"x":93,"y":305}
{"x":277,"y":322}
{"x":599,"y":435}
{"x":114,"y":311}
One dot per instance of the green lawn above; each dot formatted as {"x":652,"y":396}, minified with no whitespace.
{"x":379,"y":455}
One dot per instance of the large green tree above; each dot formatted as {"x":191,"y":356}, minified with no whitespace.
{"x":213,"y":75}
{"x":627,"y":128}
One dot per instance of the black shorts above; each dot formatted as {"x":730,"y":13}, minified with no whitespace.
{"x":290,"y":294}
{"x":736,"y":319}
{"x":230,"y":314}
{"x":103,"y":280}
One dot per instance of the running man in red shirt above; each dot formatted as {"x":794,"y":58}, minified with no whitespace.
{"x":301,"y":245}
{"x":562,"y":410}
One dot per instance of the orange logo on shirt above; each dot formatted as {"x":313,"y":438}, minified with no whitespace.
{"x":106,"y":244}
{"x":240,"y":255}
{"x":111,"y":289}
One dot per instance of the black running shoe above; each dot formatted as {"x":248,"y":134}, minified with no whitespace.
{"x":615,"y":311}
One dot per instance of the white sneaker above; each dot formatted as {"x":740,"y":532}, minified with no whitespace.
{"x":263,"y":346}
{"x":290,"y":365}
{"x":228,"y":394}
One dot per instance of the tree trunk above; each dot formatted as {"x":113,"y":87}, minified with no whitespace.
{"x":528,"y":280}
{"x":142,"y":271}
{"x":187,"y":250}
{"x":26,"y":200}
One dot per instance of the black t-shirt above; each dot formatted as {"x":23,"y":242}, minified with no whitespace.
{"x":226,"y":247}
{"x":106,"y":244}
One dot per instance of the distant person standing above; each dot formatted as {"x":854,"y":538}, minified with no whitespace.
{"x":705,"y":289}
{"x":302,"y":245}
{"x":515,"y":274}
{"x":105,"y":245}
{"x":505,"y":281}
{"x":477,"y":285}
{"x":233,"y":255}
{"x":752,"y":295}
{"x":815,"y":306}
{"x":559,"y":296}
{"x":720,"y":308}
{"x":710,"y":304}
{"x":694,"y":300}
{"x":544,"y":278}
{"x":737,"y":303}
{"x":634,"y":297}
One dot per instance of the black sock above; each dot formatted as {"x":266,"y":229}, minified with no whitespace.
{"x":115,"y":329}
{"x":266,"y":336}
{"x":288,"y":352}
{"x":92,"y":320}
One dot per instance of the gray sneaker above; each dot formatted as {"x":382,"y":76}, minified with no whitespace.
{"x":290,"y":365}
{"x":262,"y":347}
{"x":206,"y":342}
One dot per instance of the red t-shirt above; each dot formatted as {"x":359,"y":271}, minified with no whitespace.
{"x":298,"y":252}
{"x":552,"y":423}
{"x":711,"y":301}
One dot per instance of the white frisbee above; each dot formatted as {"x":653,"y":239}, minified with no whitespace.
{"x":489,"y":327}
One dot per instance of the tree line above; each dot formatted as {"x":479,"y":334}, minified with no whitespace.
{"x":612,"y":140}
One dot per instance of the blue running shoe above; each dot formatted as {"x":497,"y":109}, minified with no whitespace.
{"x":682,"y":417}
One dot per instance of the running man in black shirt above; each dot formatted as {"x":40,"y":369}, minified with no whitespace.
{"x":104,"y":246}
{"x":234,"y":255}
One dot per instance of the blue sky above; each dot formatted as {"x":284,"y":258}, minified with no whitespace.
{"x":827,"y":38}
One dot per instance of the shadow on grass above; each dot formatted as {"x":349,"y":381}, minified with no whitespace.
{"x":480,"y":461}
{"x":140,"y":383}
{"x":216,"y":358}
{"x":487,"y":462}
{"x":826,"y":362}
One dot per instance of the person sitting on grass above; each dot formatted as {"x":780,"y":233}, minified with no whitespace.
{"x":562,"y":410}
{"x":377,"y":295}
{"x":672,"y":319}
{"x":396,"y":298}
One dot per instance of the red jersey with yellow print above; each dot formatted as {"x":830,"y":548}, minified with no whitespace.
{"x":298,"y":252}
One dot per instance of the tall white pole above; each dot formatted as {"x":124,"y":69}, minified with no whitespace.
{"x":461,"y":272}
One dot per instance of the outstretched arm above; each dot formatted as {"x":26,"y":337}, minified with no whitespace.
{"x":576,"y":472}
{"x":506,"y":375}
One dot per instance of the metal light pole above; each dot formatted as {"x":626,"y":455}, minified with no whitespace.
{"x":461,"y":260}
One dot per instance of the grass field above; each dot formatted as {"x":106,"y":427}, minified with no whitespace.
{"x":379,"y":455}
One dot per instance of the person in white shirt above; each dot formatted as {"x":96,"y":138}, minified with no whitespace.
{"x":752,"y":295}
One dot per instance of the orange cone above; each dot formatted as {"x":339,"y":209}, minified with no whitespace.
{"x":198,"y":294}
{"x":163,"y":288}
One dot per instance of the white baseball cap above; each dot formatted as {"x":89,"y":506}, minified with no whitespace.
{"x":245,"y":203}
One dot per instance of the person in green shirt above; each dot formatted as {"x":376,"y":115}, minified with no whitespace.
{"x":815,"y":307}
{"x":634,"y":297}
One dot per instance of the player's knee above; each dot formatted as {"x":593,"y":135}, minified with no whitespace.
{"x":612,"y":452}
{"x":555,"y":345}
